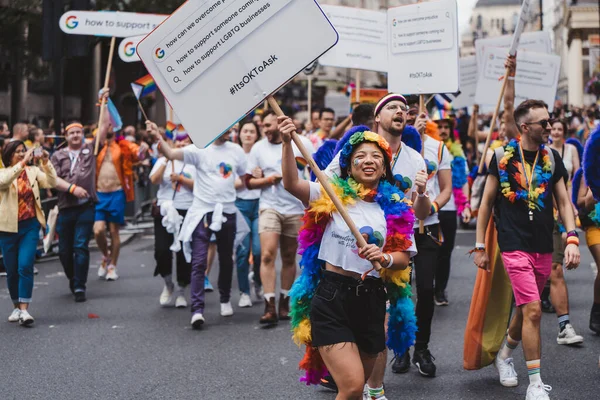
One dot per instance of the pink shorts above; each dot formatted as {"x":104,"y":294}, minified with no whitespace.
{"x":528,"y":273}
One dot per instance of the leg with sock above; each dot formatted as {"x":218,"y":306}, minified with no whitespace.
{"x":289,"y":247}
{"x":532,"y":314}
{"x":560,"y":301}
{"x":269,"y":242}
{"x":504,"y":360}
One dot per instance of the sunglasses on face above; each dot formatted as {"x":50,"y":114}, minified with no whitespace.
{"x":544,"y":123}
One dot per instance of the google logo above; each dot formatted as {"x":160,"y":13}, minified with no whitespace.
{"x":71,"y":22}
{"x":129,"y":49}
{"x":160,"y":53}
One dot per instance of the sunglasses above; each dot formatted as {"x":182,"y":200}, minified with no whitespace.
{"x":543,"y":123}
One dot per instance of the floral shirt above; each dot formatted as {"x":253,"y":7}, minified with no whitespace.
{"x":26,"y":200}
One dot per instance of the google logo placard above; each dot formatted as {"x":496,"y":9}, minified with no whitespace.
{"x":129,"y":49}
{"x":71,"y":22}
{"x":159,"y":53}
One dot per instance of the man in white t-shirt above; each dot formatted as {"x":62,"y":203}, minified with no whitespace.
{"x":279,"y":217}
{"x":213,"y":211}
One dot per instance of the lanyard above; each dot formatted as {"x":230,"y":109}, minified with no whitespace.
{"x":528,"y":178}
{"x":396,"y":157}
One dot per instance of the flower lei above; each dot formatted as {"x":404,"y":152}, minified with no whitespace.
{"x":459,"y":175}
{"x":542,"y":175}
{"x":399,"y":219}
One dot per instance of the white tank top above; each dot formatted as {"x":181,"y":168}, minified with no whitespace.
{"x":567,"y":157}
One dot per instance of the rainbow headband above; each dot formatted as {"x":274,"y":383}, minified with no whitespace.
{"x":386,"y":99}
{"x":73,"y":125}
{"x":357,"y":139}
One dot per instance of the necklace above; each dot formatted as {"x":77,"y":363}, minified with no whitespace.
{"x":532,"y":187}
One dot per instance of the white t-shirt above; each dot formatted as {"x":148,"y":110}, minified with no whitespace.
{"x":405,"y":169}
{"x":432,"y":159}
{"x":338,"y":246}
{"x":216,"y":169}
{"x":184,"y":196}
{"x":245,"y":193}
{"x":267,"y":157}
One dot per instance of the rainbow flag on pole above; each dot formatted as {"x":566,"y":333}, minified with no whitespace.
{"x":170,"y":130}
{"x":115,"y":117}
{"x":143,"y":86}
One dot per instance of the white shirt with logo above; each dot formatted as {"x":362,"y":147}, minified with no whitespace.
{"x":437,"y":159}
{"x":182,"y":197}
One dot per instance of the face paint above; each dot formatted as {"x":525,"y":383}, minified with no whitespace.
{"x":356,"y":162}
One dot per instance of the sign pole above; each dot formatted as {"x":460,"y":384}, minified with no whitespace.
{"x":324,"y":181}
{"x":493,"y":123}
{"x":142,"y":110}
{"x":106,"y":81}
{"x":421,"y":111}
{"x":310,"y":99}
{"x":358,"y":85}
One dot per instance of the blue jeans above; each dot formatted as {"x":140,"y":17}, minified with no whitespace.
{"x":249,"y":209}
{"x":19,"y":251}
{"x":74,"y":227}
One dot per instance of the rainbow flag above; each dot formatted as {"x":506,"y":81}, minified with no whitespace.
{"x":115,"y":117}
{"x":170,"y":130}
{"x":143,"y":86}
{"x":180,"y":132}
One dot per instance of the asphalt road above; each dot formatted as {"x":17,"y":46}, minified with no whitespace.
{"x":137,"y":350}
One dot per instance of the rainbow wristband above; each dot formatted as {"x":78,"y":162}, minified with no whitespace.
{"x":434,"y":208}
{"x":72,"y":188}
{"x":573,"y":240}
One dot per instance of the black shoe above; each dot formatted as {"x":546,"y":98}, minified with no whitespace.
{"x":401,"y":364}
{"x":80,"y":297}
{"x":424,"y":362}
{"x":595,"y":322}
{"x":329,"y":383}
{"x":547,"y":306}
{"x":72,"y":286}
{"x":441,"y":299}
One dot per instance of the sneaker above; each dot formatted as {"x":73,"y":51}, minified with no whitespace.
{"x":25,"y":319}
{"x":424,"y":362}
{"x":102,"y":267}
{"x":197,"y":320}
{"x":166,"y":297}
{"x":245,"y":301}
{"x":547,"y":306}
{"x":401,"y":365}
{"x":538,"y":391}
{"x":595,"y":321}
{"x":36,"y":271}
{"x":441,"y":299}
{"x":226,"y":309}
{"x":367,"y":396}
{"x":568,"y":336}
{"x":80,"y":297}
{"x":207,"y":285}
{"x":506,"y":370}
{"x":111,"y":274}
{"x":328,"y":383}
{"x":3,"y":273}
{"x":180,"y":302}
{"x":14,"y":316}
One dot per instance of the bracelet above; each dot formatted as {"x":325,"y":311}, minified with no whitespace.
{"x":573,"y":233}
{"x":72,"y":188}
{"x":434,"y":208}
{"x":479,"y":245}
{"x":467,"y":205}
{"x":424,"y":194}
{"x":573,"y":240}
{"x":391,"y":260}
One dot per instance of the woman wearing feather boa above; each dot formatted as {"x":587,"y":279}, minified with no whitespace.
{"x":338,"y":303}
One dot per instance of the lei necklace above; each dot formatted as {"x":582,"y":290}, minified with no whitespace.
{"x":532,"y":188}
{"x":459,"y":174}
{"x":399,"y":218}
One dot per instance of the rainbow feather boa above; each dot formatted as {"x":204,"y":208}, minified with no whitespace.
{"x":459,"y":175}
{"x":399,"y":216}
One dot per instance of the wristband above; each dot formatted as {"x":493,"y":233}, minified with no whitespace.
{"x":72,"y":188}
{"x":391,"y":260}
{"x":434,"y":208}
{"x":573,"y":233}
{"x":480,"y":245}
{"x":573,"y":240}
{"x":424,"y":194}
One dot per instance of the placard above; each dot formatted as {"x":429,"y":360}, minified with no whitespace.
{"x":216,"y":61}
{"x":423,"y":48}
{"x":540,"y":42}
{"x":127,"y":49}
{"x":536,"y":77}
{"x":363,"y":39}
{"x":369,"y":95}
{"x":468,"y":83}
{"x":521,"y":22}
{"x":109,"y":23}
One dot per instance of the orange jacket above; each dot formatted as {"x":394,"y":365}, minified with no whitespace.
{"x":124,"y":155}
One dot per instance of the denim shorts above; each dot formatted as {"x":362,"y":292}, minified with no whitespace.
{"x":345,"y":309}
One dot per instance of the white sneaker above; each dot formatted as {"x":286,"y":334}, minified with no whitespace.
{"x":25,"y":318}
{"x":111,"y":274}
{"x":226,"y":309}
{"x":101,"y":271}
{"x":197,"y":320}
{"x":538,"y":391}
{"x":36,"y":271}
{"x":245,"y":301}
{"x":568,"y":336}
{"x":14,"y":316}
{"x":180,"y":302}
{"x":506,"y":370}
{"x":166,"y":297}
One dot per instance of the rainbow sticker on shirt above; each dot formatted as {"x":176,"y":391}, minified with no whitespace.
{"x":301,"y":163}
{"x":431,"y":168}
{"x":371,"y":236}
{"x":403,"y":183}
{"x":225,"y":170}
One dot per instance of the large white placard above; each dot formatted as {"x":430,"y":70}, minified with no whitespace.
{"x":109,"y":23}
{"x":536,"y":77}
{"x":540,"y":42}
{"x":215,"y":61}
{"x":363,"y":39}
{"x":127,"y":48}
{"x":423,"y":48}
{"x":522,"y":21}
{"x":468,"y":83}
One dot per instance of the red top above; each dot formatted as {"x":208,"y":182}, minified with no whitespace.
{"x":26,"y":200}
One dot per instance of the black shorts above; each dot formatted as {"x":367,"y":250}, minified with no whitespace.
{"x":344,"y":310}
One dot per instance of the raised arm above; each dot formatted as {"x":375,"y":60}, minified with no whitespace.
{"x":299,"y":188}
{"x":163,"y":146}
{"x":341,"y":128}
{"x":512,"y":131}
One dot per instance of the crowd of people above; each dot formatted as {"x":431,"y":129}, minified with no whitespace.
{"x":406,"y":179}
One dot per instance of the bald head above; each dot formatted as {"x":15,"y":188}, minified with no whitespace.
{"x":20,"y":132}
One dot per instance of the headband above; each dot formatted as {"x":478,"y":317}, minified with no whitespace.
{"x":361,"y":137}
{"x":73,"y":125}
{"x":386,"y":99}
